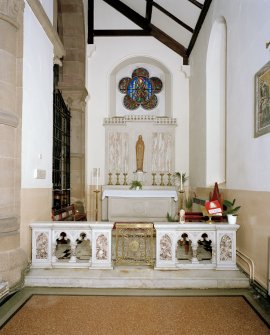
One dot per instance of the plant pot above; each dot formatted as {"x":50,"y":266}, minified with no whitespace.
{"x":232,"y":219}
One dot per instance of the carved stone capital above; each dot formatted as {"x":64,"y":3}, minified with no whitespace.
{"x":10,"y":11}
{"x":186,"y":70}
{"x":75,"y":98}
{"x":91,"y":48}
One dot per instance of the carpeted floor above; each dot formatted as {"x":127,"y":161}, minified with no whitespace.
{"x":136,"y":315}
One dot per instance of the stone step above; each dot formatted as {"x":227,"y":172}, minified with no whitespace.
{"x":137,"y":277}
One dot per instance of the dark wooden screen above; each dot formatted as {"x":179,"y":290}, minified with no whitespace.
{"x":61,"y":152}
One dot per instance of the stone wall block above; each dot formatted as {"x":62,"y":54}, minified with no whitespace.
{"x":6,"y":201}
{"x":6,"y":36}
{"x":74,"y":42}
{"x":7,"y":101}
{"x":7,"y":67}
{"x":7,"y":142}
{"x":7,"y":170}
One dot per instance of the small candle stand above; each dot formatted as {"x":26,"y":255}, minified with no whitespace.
{"x":154,"y":179}
{"x":117,"y":178}
{"x":125,"y":178}
{"x":96,"y":209}
{"x":181,"y":199}
{"x":110,"y":178}
{"x":161,"y":179}
{"x":169,"y":179}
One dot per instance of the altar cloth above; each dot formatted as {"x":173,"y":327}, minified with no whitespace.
{"x":140,"y":194}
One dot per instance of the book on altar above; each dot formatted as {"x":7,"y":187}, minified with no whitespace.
{"x":213,"y":207}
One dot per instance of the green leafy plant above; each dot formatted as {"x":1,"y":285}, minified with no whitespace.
{"x":136,"y":184}
{"x":170,"y":218}
{"x":177,"y":176}
{"x":230,"y":207}
{"x":189,"y":202}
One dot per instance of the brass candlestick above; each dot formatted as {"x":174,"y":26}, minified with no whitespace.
{"x":169,"y":179}
{"x":117,"y":178}
{"x":161,"y":179}
{"x":125,"y":178}
{"x":96,"y":209}
{"x":110,"y":178}
{"x":154,"y":179}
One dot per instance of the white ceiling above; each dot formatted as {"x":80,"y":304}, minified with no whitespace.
{"x":175,"y":23}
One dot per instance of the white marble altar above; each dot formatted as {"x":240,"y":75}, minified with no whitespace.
{"x":220,"y":239}
{"x":178,"y":246}
{"x":138,"y":205}
{"x":55,"y":244}
{"x":100,"y":272}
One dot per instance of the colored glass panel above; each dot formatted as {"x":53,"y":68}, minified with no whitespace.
{"x":140,"y":90}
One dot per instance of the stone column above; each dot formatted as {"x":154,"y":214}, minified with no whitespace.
{"x":76,"y":103}
{"x":72,"y":85}
{"x":12,"y":258}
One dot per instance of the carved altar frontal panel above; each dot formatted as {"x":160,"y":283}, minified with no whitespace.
{"x":139,"y":208}
{"x":134,"y":244}
{"x":42,"y":245}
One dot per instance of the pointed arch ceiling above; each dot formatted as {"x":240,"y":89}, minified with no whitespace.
{"x":175,"y":23}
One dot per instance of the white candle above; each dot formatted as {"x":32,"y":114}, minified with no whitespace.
{"x":97,"y":177}
{"x":181,"y":182}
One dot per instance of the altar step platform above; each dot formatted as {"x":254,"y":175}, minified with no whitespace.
{"x":137,"y":277}
{"x":91,"y":255}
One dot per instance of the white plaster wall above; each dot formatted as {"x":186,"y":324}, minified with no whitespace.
{"x":48,"y":8}
{"x":108,"y":53}
{"x":215,"y":104}
{"x":106,"y":17}
{"x":248,"y":159}
{"x":37,"y":109}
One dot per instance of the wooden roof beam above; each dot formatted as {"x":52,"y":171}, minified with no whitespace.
{"x":154,"y":31}
{"x":148,"y":13}
{"x":197,"y":29}
{"x":171,"y":16}
{"x":196,"y":3}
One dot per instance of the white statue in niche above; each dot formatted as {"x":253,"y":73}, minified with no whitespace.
{"x":168,"y":154}
{"x":118,"y":152}
{"x":154,"y":152}
{"x":161,"y":151}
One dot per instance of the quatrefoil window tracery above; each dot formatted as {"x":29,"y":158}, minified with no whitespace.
{"x":140,"y":90}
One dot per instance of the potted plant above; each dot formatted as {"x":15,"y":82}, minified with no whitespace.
{"x":189,"y":202}
{"x":231,"y":211}
{"x":136,"y":185}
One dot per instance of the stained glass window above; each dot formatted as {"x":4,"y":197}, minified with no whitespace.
{"x":140,"y":90}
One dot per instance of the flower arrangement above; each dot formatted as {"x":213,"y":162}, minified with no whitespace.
{"x":135,"y":185}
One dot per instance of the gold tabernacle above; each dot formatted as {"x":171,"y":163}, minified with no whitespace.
{"x":134,"y":244}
